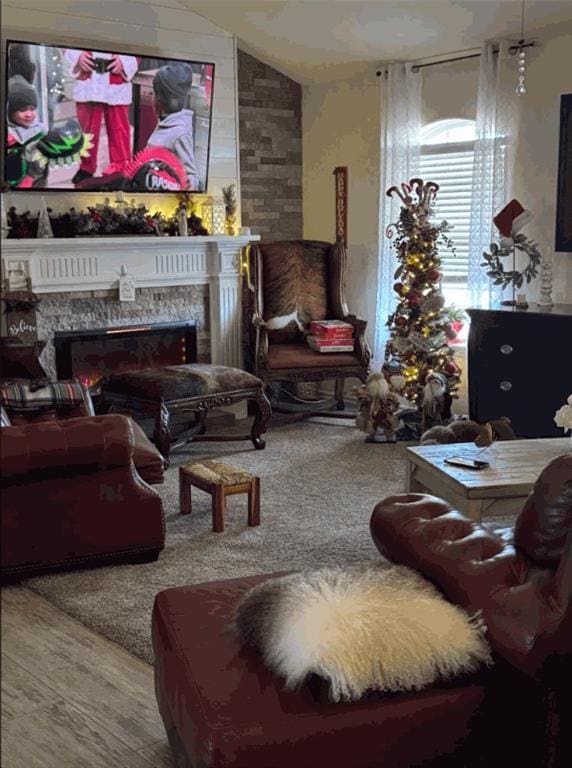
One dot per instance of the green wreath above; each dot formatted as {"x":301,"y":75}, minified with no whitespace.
{"x":505,"y":278}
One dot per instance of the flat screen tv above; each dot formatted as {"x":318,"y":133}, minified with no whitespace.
{"x":94,"y":120}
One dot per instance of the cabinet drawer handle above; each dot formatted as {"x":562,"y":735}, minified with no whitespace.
{"x":506,"y":349}
{"x":505,"y":386}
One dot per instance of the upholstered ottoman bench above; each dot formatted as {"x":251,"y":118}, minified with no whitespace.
{"x":222,"y":708}
{"x":175,"y":390}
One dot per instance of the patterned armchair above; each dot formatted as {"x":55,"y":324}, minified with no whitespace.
{"x":289,"y":284}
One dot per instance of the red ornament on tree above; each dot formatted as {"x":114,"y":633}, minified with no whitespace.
{"x":400,"y":322}
{"x":451,"y":368}
{"x":414,"y":299}
{"x":398,"y":288}
{"x":434,"y":275}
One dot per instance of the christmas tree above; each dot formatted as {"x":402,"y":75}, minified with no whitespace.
{"x":420,"y":326}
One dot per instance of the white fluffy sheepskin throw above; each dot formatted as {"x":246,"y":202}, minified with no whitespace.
{"x":363,"y":628}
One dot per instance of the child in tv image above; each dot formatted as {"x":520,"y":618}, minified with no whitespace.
{"x":174,"y":130}
{"x":103,"y":91}
{"x":25,"y":130}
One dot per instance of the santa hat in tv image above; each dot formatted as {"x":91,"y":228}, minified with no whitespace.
{"x":510,"y":220}
{"x":20,"y":94}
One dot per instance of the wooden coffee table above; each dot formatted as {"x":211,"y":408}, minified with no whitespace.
{"x":499,"y":489}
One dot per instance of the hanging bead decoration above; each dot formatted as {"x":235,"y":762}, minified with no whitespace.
{"x":521,"y":87}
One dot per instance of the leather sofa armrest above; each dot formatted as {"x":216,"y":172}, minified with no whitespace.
{"x":464,"y":559}
{"x":97,"y":442}
{"x":527,"y":610}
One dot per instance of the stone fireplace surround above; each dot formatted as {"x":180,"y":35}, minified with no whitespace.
{"x":176,"y":278}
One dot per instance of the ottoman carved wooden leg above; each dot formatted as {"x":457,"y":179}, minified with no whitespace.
{"x":261,"y":418}
{"x":162,"y":432}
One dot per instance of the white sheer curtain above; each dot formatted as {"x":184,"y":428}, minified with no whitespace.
{"x":495,"y":126}
{"x":400,"y":130}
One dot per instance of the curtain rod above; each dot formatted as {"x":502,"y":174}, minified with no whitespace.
{"x":416,"y":67}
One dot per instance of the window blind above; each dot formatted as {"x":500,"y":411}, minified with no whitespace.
{"x":451,"y":166}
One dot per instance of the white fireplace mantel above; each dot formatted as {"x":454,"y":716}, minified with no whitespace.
{"x":70,"y":265}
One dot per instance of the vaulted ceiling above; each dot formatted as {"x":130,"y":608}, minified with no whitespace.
{"x":325,"y":40}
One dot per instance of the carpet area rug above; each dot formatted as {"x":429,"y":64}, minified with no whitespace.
{"x":319,"y":484}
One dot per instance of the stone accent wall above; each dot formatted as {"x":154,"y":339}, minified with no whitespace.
{"x":270,"y":125}
{"x":101,"y":309}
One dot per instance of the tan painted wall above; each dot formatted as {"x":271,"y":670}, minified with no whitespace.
{"x":340,"y":127}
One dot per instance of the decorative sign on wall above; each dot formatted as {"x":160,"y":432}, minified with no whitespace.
{"x":126,"y":285}
{"x":341,"y":213}
{"x":20,"y":309}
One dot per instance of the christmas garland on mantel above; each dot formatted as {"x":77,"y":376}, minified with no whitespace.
{"x":100,"y":221}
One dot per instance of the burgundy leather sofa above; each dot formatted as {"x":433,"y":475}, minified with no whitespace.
{"x":71,"y":495}
{"x":521,"y":580}
{"x":223,"y":709}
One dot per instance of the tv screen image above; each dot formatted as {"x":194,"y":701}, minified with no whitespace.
{"x":95,"y":120}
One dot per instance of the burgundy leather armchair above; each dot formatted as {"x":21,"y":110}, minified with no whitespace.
{"x":148,"y":461}
{"x":521,"y":581}
{"x":71,"y":496}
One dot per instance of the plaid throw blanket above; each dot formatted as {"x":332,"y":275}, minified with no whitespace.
{"x":25,"y":397}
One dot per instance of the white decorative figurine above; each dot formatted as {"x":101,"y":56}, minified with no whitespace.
{"x":182,"y":222}
{"x":545,"y":283}
{"x":44,"y":223}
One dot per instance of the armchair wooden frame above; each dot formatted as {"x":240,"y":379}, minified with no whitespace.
{"x":257,"y":338}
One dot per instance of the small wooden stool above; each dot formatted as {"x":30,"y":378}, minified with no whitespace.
{"x":220,"y":480}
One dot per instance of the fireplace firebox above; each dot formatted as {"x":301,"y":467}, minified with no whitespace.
{"x":92,"y":354}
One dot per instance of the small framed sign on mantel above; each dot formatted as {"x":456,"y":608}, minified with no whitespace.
{"x":126,"y":285}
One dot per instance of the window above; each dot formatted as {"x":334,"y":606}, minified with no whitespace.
{"x":447,"y":151}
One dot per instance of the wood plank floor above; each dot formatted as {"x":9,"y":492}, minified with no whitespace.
{"x":70,"y":698}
